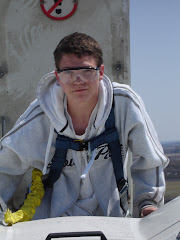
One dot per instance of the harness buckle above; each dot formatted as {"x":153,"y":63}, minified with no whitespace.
{"x":122,"y":186}
{"x":83,"y":145}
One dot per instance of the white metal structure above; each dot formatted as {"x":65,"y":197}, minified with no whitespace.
{"x":28,"y":38}
{"x":163,"y":224}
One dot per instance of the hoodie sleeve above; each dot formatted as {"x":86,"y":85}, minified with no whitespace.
{"x":138,"y":134}
{"x":23,"y":148}
{"x":149,"y":159}
{"x":13,"y":165}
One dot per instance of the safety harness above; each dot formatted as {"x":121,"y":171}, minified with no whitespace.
{"x":109,"y":136}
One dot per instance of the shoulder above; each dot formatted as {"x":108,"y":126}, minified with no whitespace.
{"x":33,"y":115}
{"x":125,"y":94}
{"x":33,"y":111}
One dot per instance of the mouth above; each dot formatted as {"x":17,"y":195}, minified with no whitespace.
{"x":80,"y":90}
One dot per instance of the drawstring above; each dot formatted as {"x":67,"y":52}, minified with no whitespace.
{"x":90,"y":162}
{"x":48,"y":148}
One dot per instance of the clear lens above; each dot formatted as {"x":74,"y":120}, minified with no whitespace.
{"x":69,"y":76}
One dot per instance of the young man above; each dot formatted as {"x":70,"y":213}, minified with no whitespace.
{"x":75,"y":105}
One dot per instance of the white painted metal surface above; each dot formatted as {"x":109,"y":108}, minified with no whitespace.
{"x":28,"y":38}
{"x":164,"y":224}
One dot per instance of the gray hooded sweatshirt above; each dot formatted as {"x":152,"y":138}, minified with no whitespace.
{"x":87,"y":183}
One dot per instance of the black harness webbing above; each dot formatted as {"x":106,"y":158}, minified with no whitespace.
{"x":110,"y":136}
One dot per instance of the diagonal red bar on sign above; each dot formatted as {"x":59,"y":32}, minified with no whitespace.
{"x":54,"y":6}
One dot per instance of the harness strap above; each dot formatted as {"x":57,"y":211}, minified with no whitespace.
{"x":108,"y":136}
{"x":116,"y":156}
{"x":115,"y":150}
{"x":56,"y":167}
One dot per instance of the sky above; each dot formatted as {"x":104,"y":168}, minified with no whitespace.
{"x":155,"y":62}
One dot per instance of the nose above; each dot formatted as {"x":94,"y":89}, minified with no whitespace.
{"x":77,"y":79}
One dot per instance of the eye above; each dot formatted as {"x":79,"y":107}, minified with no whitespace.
{"x":87,"y":71}
{"x":68,"y":72}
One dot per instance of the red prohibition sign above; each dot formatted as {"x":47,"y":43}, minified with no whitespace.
{"x":54,"y":6}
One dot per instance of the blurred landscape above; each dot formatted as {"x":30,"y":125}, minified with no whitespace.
{"x":172,"y":172}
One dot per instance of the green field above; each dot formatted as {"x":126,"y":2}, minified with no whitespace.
{"x":172,"y":190}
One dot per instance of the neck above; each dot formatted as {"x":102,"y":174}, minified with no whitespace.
{"x":80,"y":115}
{"x":81,"y":110}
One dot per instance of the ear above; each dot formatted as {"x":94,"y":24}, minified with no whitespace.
{"x":57,"y":77}
{"x":101,"y":72}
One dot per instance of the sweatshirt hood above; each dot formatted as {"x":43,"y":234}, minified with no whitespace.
{"x":50,"y":97}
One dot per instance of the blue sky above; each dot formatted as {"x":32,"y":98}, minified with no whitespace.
{"x":155,"y":62}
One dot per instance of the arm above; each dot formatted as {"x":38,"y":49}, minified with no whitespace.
{"x":22,"y":149}
{"x":13,"y":165}
{"x":149,"y":162}
{"x":138,"y":134}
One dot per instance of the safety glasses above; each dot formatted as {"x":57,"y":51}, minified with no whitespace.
{"x":70,"y":75}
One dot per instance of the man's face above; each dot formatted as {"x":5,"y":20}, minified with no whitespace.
{"x":80,"y":89}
